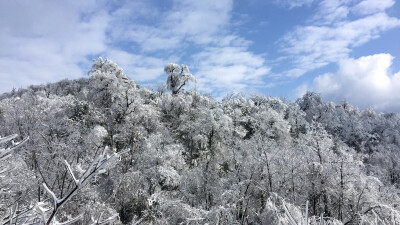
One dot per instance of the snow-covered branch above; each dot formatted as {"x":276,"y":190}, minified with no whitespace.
{"x":71,"y":173}
{"x":99,"y":165}
{"x":101,"y":221}
{"x":5,"y":152}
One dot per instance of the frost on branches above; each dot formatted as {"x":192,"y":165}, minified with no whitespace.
{"x":5,"y":153}
{"x":45,"y":213}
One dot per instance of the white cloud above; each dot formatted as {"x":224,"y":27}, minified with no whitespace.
{"x":365,"y":82}
{"x":227,"y":69}
{"x":293,"y":3}
{"x":198,"y":22}
{"x":330,"y":11}
{"x":372,"y":6}
{"x":331,"y":35}
{"x":46,"y":41}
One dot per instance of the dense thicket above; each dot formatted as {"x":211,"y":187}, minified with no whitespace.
{"x":195,"y":160}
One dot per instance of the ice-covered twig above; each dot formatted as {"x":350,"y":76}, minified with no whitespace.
{"x":4,"y":153}
{"x":306,"y":217}
{"x":70,"y":172}
{"x":100,"y":221}
{"x":71,"y":221}
{"x":289,"y":216}
{"x":53,"y":196}
{"x":8,"y":138}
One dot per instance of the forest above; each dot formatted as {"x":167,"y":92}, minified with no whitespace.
{"x":103,"y":150}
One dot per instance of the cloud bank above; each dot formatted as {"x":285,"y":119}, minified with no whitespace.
{"x":331,"y":34}
{"x":366,"y":82}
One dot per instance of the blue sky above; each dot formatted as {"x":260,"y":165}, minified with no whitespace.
{"x":344,"y":49}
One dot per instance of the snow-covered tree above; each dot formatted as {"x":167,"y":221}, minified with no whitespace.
{"x":178,"y":76}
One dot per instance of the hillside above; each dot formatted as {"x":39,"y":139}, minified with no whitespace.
{"x":195,"y":160}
